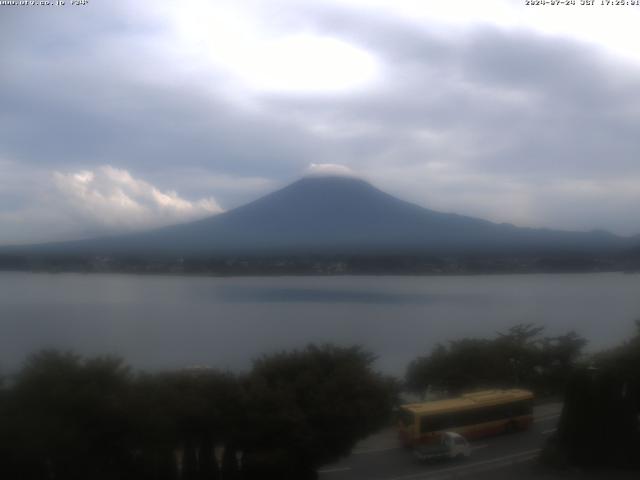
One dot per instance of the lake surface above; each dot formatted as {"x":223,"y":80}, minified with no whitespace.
{"x":173,"y":321}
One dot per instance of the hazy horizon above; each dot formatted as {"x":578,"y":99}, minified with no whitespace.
{"x":316,"y":171}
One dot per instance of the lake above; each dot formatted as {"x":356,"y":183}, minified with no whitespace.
{"x":175,"y":321}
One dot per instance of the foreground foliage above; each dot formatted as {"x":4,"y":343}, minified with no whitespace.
{"x":67,"y":417}
{"x":520,"y":357}
{"x":600,"y":422}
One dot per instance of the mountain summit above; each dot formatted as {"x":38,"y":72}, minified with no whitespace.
{"x":342,"y":214}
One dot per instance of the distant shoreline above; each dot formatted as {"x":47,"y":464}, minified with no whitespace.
{"x":322,"y":266}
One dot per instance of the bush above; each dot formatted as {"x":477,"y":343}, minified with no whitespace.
{"x":73,"y":418}
{"x":519,"y":357}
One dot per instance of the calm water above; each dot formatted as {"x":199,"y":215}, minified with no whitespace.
{"x":167,"y":321}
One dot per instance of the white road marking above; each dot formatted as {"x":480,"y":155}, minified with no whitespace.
{"x":478,"y":447}
{"x":334,"y":470}
{"x":483,"y":468}
{"x":386,"y":449}
{"x":546,"y":417}
{"x":514,"y":457}
{"x":547,"y":432}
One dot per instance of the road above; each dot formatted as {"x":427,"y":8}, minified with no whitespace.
{"x":381,"y":458}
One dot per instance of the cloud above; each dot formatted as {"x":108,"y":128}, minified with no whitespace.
{"x":113,"y":200}
{"x":104,"y":200}
{"x":200,"y":182}
{"x":501,"y":122}
{"x":507,"y":115}
{"x":329,"y":169}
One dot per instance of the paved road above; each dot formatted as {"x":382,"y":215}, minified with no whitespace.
{"x":380,"y":457}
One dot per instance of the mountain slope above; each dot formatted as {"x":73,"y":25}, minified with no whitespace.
{"x":341,"y":215}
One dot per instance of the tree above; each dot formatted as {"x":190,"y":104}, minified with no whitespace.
{"x":310,"y":407}
{"x":68,"y":417}
{"x":185,"y":412}
{"x":518,"y":357}
{"x":557,"y":359}
{"x":599,"y":425}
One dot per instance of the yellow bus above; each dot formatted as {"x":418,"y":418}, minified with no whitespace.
{"x":472,"y":415}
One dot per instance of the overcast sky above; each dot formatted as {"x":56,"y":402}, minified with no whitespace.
{"x":122,"y":115}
